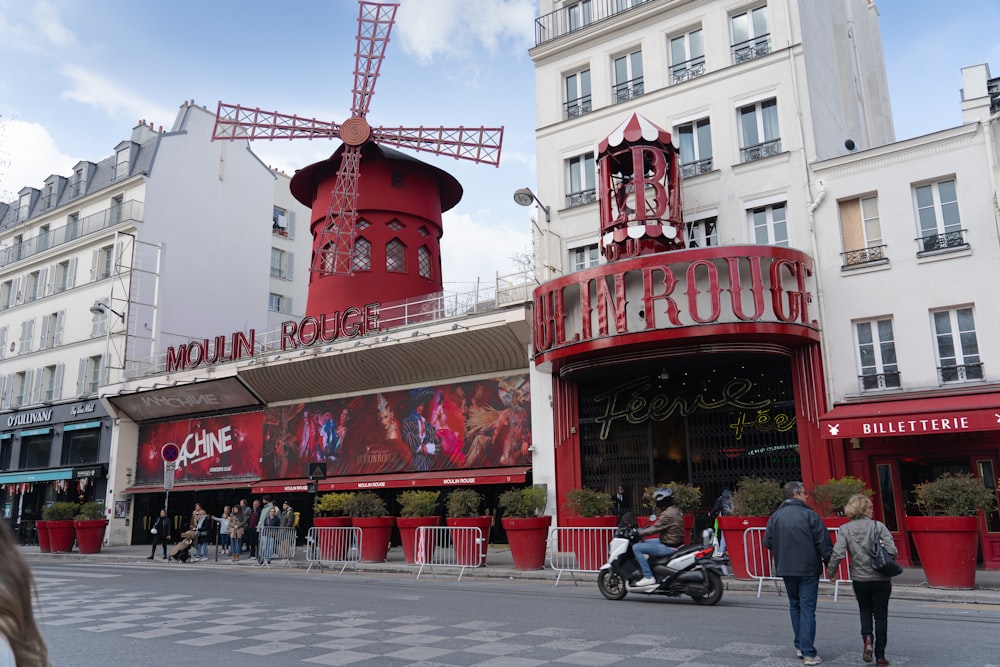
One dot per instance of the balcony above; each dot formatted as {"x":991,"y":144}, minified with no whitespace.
{"x":953,"y":240}
{"x":581,"y":198}
{"x":687,"y":70}
{"x":627,"y":90}
{"x":689,"y":169}
{"x":570,"y":19}
{"x":130,"y":211}
{"x":578,"y":107}
{"x":962,"y":373}
{"x":879,"y":381}
{"x":752,"y":48}
{"x":760,"y":151}
{"x":864,"y":257}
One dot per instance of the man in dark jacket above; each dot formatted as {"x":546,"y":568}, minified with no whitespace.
{"x":801,"y":547}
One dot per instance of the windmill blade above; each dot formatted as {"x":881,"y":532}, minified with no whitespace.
{"x":335,"y":241}
{"x":233,"y":122}
{"x":374,"y":25}
{"x":477,"y":144}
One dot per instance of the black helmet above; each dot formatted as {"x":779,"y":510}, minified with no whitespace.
{"x":663,"y":497}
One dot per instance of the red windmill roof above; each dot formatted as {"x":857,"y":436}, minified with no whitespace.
{"x":636,"y":130}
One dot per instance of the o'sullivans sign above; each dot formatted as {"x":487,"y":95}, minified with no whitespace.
{"x":740,"y":289}
{"x":326,"y":328}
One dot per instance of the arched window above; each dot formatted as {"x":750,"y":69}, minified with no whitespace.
{"x":362,"y":258}
{"x":395,"y":256}
{"x":424,"y":262}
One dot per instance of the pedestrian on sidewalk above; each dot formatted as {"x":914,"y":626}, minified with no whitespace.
{"x":287,"y":536}
{"x":202,"y":527}
{"x":267,"y":534}
{"x":871,"y":588}
{"x":251,"y":535}
{"x":21,"y":642}
{"x":160,"y":531}
{"x":223,"y":522}
{"x":801,"y":547}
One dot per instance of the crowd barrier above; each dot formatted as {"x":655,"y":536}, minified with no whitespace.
{"x":448,"y":546}
{"x":576,"y":550}
{"x":275,"y":542}
{"x":760,"y":562}
{"x":333,"y":546}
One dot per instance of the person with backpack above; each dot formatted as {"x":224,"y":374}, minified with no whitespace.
{"x":723,"y":507}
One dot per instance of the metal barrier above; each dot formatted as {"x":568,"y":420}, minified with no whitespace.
{"x":760,"y":562}
{"x":276,"y":542}
{"x":448,"y":546}
{"x":578,"y":550}
{"x":333,"y":545}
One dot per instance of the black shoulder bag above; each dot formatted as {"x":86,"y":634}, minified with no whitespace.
{"x":882,"y":562}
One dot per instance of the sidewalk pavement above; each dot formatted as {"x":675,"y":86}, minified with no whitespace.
{"x":911,"y":585}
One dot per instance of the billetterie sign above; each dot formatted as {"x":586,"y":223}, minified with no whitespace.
{"x":327,"y":328}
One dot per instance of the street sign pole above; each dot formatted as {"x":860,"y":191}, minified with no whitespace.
{"x":170,"y":453}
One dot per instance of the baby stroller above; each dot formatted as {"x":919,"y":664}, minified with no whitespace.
{"x":181,"y":551}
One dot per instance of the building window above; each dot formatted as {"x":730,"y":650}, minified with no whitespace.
{"x":861,"y":231}
{"x":24,"y":206}
{"x":423,"y":231}
{"x":628,"y":77}
{"x":395,"y":225}
{"x":424,"y":267}
{"x":279,"y":263}
{"x":275,"y":303}
{"x":44,"y":238}
{"x":759,"y":136}
{"x":117,"y":207}
{"x":33,"y":288}
{"x":584,"y":257}
{"x":20,"y":389}
{"x":5,"y":449}
{"x":121,"y":163}
{"x":65,"y":278}
{"x":696,"y":147}
{"x":78,"y":185}
{"x":81,"y":447}
{"x":51,"y":379}
{"x":362,"y":224}
{"x":395,"y":256}
{"x":279,"y":221}
{"x":751,"y":38}
{"x":72,"y":226}
{"x":7,"y":294}
{"x":362,"y":258}
{"x":35,"y":451}
{"x":105,"y":261}
{"x":581,"y":183}
{"x":702,"y":233}
{"x":768,"y":225}
{"x":91,"y":376}
{"x":877,"y":355}
{"x":937,"y":212}
{"x":51,"y":331}
{"x":50,"y":195}
{"x":957,"y":346}
{"x":577,"y":88}
{"x":687,"y":57}
{"x":579,"y":15}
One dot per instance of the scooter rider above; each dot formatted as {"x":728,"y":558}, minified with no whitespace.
{"x":670,"y":526}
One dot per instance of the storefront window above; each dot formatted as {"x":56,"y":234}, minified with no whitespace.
{"x":5,"y":447}
{"x":35,"y":451}
{"x":888,"y":496}
{"x":989,"y":480}
{"x":81,"y":447}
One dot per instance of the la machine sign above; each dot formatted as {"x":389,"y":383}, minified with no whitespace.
{"x":326,"y":328}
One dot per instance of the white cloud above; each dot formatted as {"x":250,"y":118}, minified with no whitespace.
{"x":471,"y":250}
{"x":47,"y":23}
{"x":457,"y":27}
{"x":117,"y":101}
{"x":28,"y":156}
{"x":37,"y":31}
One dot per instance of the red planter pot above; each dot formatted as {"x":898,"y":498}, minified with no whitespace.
{"x":732,"y":528}
{"x":90,"y":535}
{"x":467,"y":552}
{"x":947,"y":547}
{"x":375,"y":534}
{"x":408,"y":534}
{"x":335,"y":546}
{"x":589,"y":546}
{"x":61,"y":536}
{"x":527,"y":538}
{"x":42,"y":527}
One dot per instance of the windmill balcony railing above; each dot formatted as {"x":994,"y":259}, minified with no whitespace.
{"x":687,"y":70}
{"x":961,"y":373}
{"x":581,"y":198}
{"x":751,"y":48}
{"x":130,"y":211}
{"x":696,"y":168}
{"x":760,"y":151}
{"x":578,"y":16}
{"x":627,"y":90}
{"x":879,"y":381}
{"x":871,"y":255}
{"x":578,"y":107}
{"x":952,"y":240}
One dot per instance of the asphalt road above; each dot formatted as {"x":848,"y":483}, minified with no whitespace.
{"x":160,"y":614}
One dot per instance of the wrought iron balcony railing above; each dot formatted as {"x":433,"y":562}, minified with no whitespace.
{"x":578,"y":16}
{"x":689,"y":69}
{"x":872,"y":255}
{"x":948,"y":240}
{"x":626,"y":90}
{"x":581,"y":198}
{"x":759,"y":151}
{"x":962,"y":373}
{"x":578,"y":107}
{"x":689,"y":169}
{"x":752,"y":48}
{"x":879,"y":381}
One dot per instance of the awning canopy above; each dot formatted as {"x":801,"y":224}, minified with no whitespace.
{"x":36,"y":476}
{"x":208,"y":486}
{"x":914,"y":416}
{"x":512,"y":475}
{"x":281,"y":486}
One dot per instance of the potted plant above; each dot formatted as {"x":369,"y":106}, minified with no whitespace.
{"x":527,"y":528}
{"x":416,"y":509}
{"x":368,"y":513}
{"x":60,"y":525}
{"x":462,"y":511}
{"x":947,"y":537}
{"x":753,"y":501}
{"x":833,"y":494}
{"x":90,"y":525}
{"x":331,"y":513}
{"x":588,"y":510}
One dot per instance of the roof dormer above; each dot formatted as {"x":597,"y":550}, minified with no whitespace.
{"x":82,"y":173}
{"x":125,"y":153}
{"x":26,"y":200}
{"x":54,"y":186}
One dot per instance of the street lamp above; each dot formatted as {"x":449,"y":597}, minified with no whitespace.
{"x":100,"y":309}
{"x":524,"y":197}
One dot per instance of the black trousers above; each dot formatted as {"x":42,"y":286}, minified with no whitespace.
{"x":250,"y":537}
{"x":873,"y":603}
{"x":159,"y":539}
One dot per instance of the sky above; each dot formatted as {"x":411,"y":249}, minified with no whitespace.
{"x":77,"y":76}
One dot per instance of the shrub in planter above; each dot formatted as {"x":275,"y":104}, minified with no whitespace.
{"x":90,"y":524}
{"x":462,"y":508}
{"x":332,"y":504}
{"x":753,"y":501}
{"x":588,"y":509}
{"x":687,"y":498}
{"x":587,"y":503}
{"x":365,"y":505}
{"x":954,"y":495}
{"x":417,"y":508}
{"x":526,"y":502}
{"x":833,"y":494}
{"x":527,"y":529}
{"x":60,"y":525}
{"x":418,"y":503}
{"x":60,"y":511}
{"x":331,"y":513}
{"x":90,"y":512}
{"x":368,"y":512}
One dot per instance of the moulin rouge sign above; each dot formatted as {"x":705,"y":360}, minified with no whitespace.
{"x":327,"y":328}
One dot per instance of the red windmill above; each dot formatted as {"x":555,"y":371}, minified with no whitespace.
{"x":335,"y":220}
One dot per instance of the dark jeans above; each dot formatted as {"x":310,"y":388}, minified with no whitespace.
{"x":159,"y":539}
{"x":802,"y":594}
{"x":873,"y":602}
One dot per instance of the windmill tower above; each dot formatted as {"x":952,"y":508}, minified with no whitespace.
{"x":368,"y":223}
